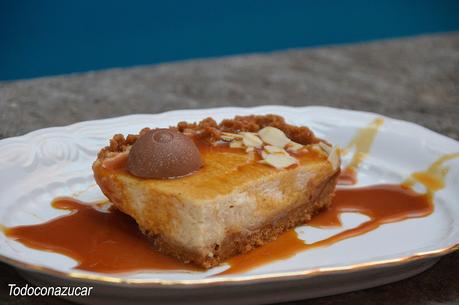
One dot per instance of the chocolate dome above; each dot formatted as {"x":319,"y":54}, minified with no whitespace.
{"x":162,"y":154}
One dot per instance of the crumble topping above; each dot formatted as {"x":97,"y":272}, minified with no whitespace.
{"x":253,"y":127}
{"x":208,"y":128}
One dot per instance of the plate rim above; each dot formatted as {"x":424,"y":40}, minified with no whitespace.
{"x":218,"y":280}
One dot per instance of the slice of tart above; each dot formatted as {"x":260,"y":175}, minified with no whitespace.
{"x":204,"y":192}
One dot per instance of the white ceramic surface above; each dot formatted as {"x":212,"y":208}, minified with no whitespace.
{"x":44,"y":164}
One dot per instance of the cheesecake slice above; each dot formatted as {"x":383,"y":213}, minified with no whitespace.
{"x":257,"y":178}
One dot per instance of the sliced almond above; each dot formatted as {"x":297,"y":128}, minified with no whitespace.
{"x":264,"y":154}
{"x":325,"y":147}
{"x":274,"y":149}
{"x":318,"y":149}
{"x":236,"y":144}
{"x":273,"y":136}
{"x":293,"y":146}
{"x":249,"y":149}
{"x":280,"y":161}
{"x":227,"y":136}
{"x":333,"y":158}
{"x":251,"y":140}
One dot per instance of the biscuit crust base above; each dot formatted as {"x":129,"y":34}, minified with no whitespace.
{"x":239,"y":242}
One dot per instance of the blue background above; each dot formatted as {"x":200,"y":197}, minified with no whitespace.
{"x":50,"y":37}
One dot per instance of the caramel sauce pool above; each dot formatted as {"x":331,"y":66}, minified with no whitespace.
{"x":101,"y":241}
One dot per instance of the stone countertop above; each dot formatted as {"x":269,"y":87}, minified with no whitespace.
{"x":414,"y":79}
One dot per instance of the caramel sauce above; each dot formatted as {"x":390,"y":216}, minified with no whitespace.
{"x":101,"y":241}
{"x":348,"y":176}
{"x":117,"y":163}
{"x":361,"y":142}
{"x":110,"y":241}
{"x":433,"y":178}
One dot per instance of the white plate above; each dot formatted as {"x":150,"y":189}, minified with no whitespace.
{"x":44,"y":164}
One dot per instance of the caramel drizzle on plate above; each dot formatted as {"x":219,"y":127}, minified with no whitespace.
{"x":362,"y":142}
{"x":433,"y":178}
{"x":381,"y":203}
